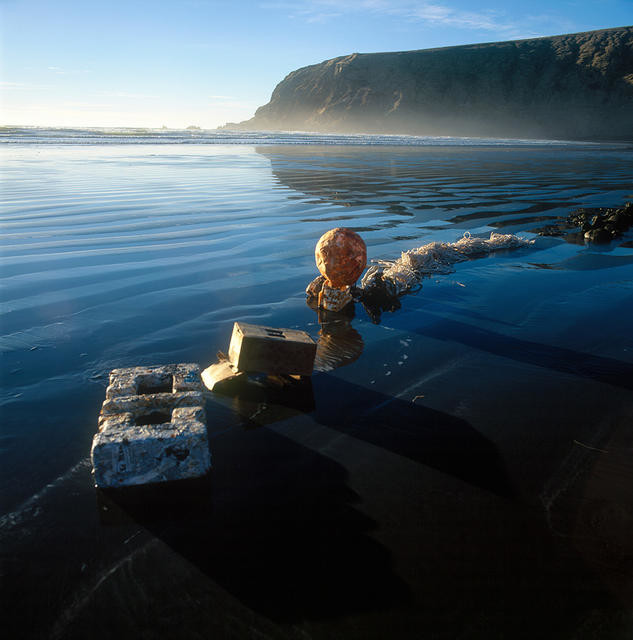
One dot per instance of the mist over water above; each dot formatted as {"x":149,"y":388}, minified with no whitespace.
{"x":145,"y":250}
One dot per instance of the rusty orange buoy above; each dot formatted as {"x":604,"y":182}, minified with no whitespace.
{"x":341,"y":256}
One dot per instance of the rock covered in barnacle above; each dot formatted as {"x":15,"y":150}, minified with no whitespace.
{"x":333,"y":299}
{"x":315,"y":287}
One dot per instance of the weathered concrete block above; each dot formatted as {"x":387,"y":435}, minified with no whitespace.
{"x":271,"y":350}
{"x":159,"y":379}
{"x":222,"y":377}
{"x":152,"y":427}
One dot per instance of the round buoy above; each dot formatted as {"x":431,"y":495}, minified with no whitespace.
{"x":341,"y":256}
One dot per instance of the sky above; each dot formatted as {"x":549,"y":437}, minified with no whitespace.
{"x":153,"y":63}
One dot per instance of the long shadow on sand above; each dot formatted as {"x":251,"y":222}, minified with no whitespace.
{"x":433,"y":438}
{"x":605,"y":370}
{"x":279,"y":531}
{"x":427,"y":436}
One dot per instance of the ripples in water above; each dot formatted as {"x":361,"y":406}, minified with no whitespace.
{"x":120,"y":255}
{"x":117,"y":253}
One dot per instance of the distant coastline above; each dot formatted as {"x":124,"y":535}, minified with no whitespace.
{"x":573,"y":87}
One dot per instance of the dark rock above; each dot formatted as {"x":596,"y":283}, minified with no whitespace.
{"x":599,"y":236}
{"x":600,"y":225}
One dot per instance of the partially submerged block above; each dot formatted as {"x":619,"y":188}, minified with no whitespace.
{"x":152,"y":427}
{"x":222,"y":377}
{"x":271,"y":350}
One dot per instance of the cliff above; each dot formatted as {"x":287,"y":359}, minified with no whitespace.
{"x":577,"y":86}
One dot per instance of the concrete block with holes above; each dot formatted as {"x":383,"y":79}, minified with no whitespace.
{"x":152,"y":427}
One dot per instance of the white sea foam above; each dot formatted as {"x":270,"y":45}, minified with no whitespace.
{"x":105,"y":135}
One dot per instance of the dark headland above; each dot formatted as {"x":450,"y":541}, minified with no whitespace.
{"x":576,"y":86}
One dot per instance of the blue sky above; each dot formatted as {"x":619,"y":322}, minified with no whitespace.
{"x":206,"y":62}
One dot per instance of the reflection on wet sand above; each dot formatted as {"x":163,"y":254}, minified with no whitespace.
{"x":338,"y":344}
{"x":492,"y":186}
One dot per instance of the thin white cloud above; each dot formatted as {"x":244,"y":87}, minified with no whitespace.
{"x":315,"y":11}
{"x":425,"y":13}
{"x":23,"y":86}
{"x":60,"y":71}
{"x":125,"y":94}
{"x":443,"y":15}
{"x":82,"y":104}
{"x":324,"y":16}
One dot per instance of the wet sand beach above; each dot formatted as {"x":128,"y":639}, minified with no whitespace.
{"x":460,"y":467}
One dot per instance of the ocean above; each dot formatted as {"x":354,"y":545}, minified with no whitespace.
{"x":462,"y":467}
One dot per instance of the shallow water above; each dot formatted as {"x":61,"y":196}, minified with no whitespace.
{"x":463,"y":466}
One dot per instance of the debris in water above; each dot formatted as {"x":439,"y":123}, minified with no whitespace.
{"x":255,"y":348}
{"x":341,"y":256}
{"x":387,"y":280}
{"x":152,"y":427}
{"x":267,"y":373}
{"x":331,"y":299}
{"x":222,"y":377}
{"x":314,"y":288}
{"x":400,"y":276}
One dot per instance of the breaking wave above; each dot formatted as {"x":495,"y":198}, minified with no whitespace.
{"x":109,"y":135}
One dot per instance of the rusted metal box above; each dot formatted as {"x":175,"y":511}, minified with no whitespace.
{"x":271,"y":350}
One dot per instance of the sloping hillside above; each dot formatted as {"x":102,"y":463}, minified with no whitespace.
{"x":577,"y":86}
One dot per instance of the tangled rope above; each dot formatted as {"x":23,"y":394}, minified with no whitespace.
{"x":396,"y":277}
